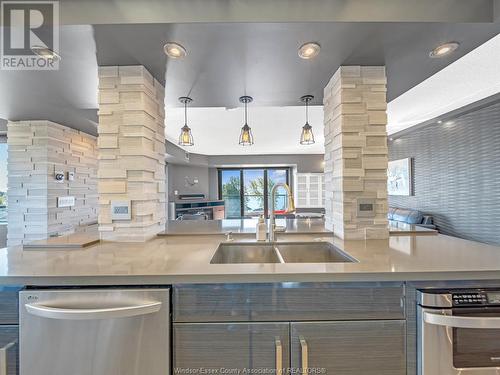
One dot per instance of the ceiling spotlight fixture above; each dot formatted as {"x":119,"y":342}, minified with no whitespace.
{"x":174,"y":50}
{"x":307,"y":136}
{"x":309,"y":50}
{"x":444,"y":49}
{"x":246,"y":137}
{"x":186,"y":138}
{"x":45,"y":53}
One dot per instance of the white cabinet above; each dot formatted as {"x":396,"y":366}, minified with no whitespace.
{"x":309,"y":190}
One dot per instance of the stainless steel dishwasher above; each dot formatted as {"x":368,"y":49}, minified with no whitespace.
{"x":94,"y":331}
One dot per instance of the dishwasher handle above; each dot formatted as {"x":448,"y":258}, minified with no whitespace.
{"x":92,"y":314}
{"x":461,"y":321}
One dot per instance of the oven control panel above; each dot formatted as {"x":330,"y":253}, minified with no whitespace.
{"x":471,"y":298}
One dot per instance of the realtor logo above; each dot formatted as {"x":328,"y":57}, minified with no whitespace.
{"x":30,"y":35}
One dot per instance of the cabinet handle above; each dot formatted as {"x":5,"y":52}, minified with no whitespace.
{"x":304,"y":355}
{"x":3,"y":357}
{"x":279,"y":356}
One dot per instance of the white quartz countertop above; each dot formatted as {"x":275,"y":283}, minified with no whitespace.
{"x":182,"y":259}
{"x":238,"y":226}
{"x":293,"y":226}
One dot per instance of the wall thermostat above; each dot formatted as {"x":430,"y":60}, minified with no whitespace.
{"x":59,"y":176}
{"x":120,"y":210}
{"x":365,"y":207}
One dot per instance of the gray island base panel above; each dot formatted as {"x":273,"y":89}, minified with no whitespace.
{"x":344,"y":328}
{"x":186,"y":259}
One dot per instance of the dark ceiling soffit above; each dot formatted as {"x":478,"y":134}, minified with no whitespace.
{"x":476,"y":106}
{"x":89,"y":12}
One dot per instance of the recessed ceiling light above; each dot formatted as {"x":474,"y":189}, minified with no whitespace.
{"x":45,"y":53}
{"x":440,"y":121}
{"x":309,"y":50}
{"x":174,"y":50}
{"x":444,"y":49}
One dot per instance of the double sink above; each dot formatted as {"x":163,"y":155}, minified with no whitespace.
{"x":280,"y":252}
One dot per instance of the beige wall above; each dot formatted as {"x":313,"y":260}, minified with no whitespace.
{"x":37,"y":149}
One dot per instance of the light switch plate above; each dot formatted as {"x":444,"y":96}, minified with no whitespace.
{"x":71,"y":176}
{"x":120,"y":210}
{"x":365,"y":207}
{"x":65,"y":201}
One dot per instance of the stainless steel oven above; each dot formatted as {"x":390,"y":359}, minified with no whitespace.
{"x":459,"y":332}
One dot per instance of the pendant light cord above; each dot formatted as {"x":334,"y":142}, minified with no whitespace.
{"x":307,"y":111}
{"x":185,"y":112}
{"x":246,"y":122}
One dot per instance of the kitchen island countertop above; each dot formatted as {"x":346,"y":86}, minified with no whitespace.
{"x":183,"y":259}
{"x":240,"y":226}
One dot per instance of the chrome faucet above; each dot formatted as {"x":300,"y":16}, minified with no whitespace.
{"x":290,"y":207}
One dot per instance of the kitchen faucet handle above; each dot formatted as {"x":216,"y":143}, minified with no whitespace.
{"x":229,"y":236}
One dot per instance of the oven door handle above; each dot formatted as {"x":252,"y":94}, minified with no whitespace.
{"x":461,"y":321}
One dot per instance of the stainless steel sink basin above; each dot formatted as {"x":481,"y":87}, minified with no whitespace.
{"x":313,"y":252}
{"x":280,"y":252}
{"x":229,"y":253}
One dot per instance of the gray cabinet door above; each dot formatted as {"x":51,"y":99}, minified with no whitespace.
{"x":350,"y":347}
{"x":9,"y":349}
{"x":231,"y":346}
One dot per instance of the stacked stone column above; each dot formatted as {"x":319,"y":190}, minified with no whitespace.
{"x":131,"y":146}
{"x":356,"y":154}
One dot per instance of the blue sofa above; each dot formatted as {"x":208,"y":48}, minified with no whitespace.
{"x":410,"y":217}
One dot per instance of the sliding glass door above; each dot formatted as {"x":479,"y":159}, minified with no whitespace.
{"x":253,"y":199}
{"x":246,"y":191}
{"x":230,"y":192}
{"x":275,"y":176}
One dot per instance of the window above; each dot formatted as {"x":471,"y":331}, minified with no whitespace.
{"x":230,"y":191}
{"x":3,"y":194}
{"x":246,"y":191}
{"x":253,"y":197}
{"x":3,"y":183}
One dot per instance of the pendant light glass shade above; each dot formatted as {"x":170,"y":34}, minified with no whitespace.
{"x":246,"y":137}
{"x":185,"y":138}
{"x":307,"y":136}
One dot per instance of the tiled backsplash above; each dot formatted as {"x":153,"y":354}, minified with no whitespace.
{"x":38,"y":150}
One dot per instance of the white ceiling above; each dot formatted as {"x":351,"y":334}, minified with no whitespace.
{"x":276,"y":130}
{"x":473,"y":77}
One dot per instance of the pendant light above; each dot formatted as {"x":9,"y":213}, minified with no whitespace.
{"x":307,"y":136}
{"x":246,"y":137}
{"x":186,"y":138}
